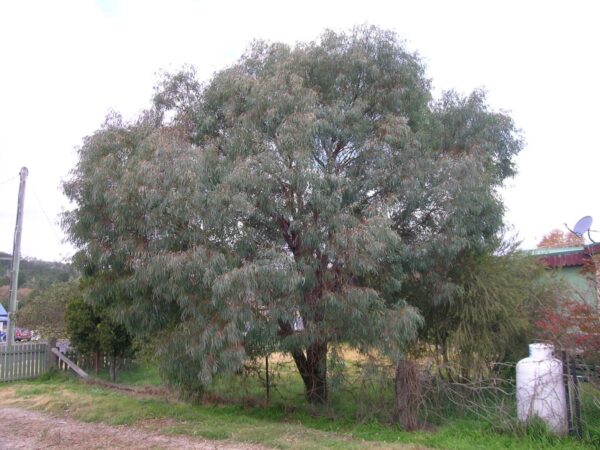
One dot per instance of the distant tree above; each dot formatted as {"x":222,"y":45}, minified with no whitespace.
{"x":558,"y":238}
{"x":45,"y":309}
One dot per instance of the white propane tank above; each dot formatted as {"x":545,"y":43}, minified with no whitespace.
{"x":540,"y":388}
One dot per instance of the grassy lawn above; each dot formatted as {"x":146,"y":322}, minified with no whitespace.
{"x":287,"y":422}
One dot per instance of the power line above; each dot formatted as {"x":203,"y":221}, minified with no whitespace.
{"x":52,"y":226}
{"x":9,"y":180}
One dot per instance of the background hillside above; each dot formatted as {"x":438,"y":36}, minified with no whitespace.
{"x":33,"y":274}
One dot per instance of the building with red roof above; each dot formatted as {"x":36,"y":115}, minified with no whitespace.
{"x":578,"y":266}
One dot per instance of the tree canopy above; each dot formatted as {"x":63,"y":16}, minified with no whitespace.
{"x":305,"y":194}
{"x":44,"y":310}
{"x":93,"y":332}
{"x":558,"y":239}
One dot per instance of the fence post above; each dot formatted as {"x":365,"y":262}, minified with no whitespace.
{"x":51,"y":359}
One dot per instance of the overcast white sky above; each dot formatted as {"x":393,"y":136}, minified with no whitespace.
{"x":65,"y":64}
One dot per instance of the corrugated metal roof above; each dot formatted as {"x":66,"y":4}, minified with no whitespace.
{"x":566,"y":257}
{"x":555,"y":251}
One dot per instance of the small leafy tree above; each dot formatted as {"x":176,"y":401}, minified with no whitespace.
{"x":92,"y":332}
{"x":488,"y":315}
{"x":115,"y":342}
{"x":494,"y":299}
{"x":81,"y":328}
{"x":44,"y":310}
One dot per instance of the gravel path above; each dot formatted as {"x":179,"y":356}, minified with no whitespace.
{"x":27,"y":430}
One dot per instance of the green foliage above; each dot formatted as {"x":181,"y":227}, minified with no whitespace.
{"x":489,"y":310}
{"x":487,"y":318}
{"x":113,"y":339}
{"x":92,"y":331}
{"x":451,"y":220}
{"x":300,"y":183}
{"x":81,"y":326}
{"x":44,"y":310}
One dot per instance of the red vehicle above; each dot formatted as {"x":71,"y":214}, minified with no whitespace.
{"x":22,"y":334}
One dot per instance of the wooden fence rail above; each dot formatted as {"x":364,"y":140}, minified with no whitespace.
{"x":23,"y":360}
{"x":88,"y":362}
{"x":63,"y":359}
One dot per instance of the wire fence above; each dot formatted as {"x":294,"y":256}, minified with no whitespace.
{"x":366,"y":389}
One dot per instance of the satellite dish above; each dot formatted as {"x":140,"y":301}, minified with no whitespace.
{"x":582,"y":226}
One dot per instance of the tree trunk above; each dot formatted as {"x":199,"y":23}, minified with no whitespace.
{"x":113,"y":369}
{"x":97,"y":363}
{"x":313,"y":370}
{"x":408,"y":394}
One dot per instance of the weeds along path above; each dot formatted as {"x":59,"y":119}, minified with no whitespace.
{"x":28,"y":430}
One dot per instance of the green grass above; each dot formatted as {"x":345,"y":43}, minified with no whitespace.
{"x":136,"y":375}
{"x":87,"y":403}
{"x":286,"y":423}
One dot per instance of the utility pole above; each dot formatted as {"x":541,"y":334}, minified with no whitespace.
{"x":16,"y":259}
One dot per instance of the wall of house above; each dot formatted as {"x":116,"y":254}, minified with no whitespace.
{"x":583,"y":284}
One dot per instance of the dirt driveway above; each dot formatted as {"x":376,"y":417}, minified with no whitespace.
{"x":28,"y":430}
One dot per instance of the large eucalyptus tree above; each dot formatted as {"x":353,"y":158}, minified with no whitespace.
{"x":286,"y":201}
